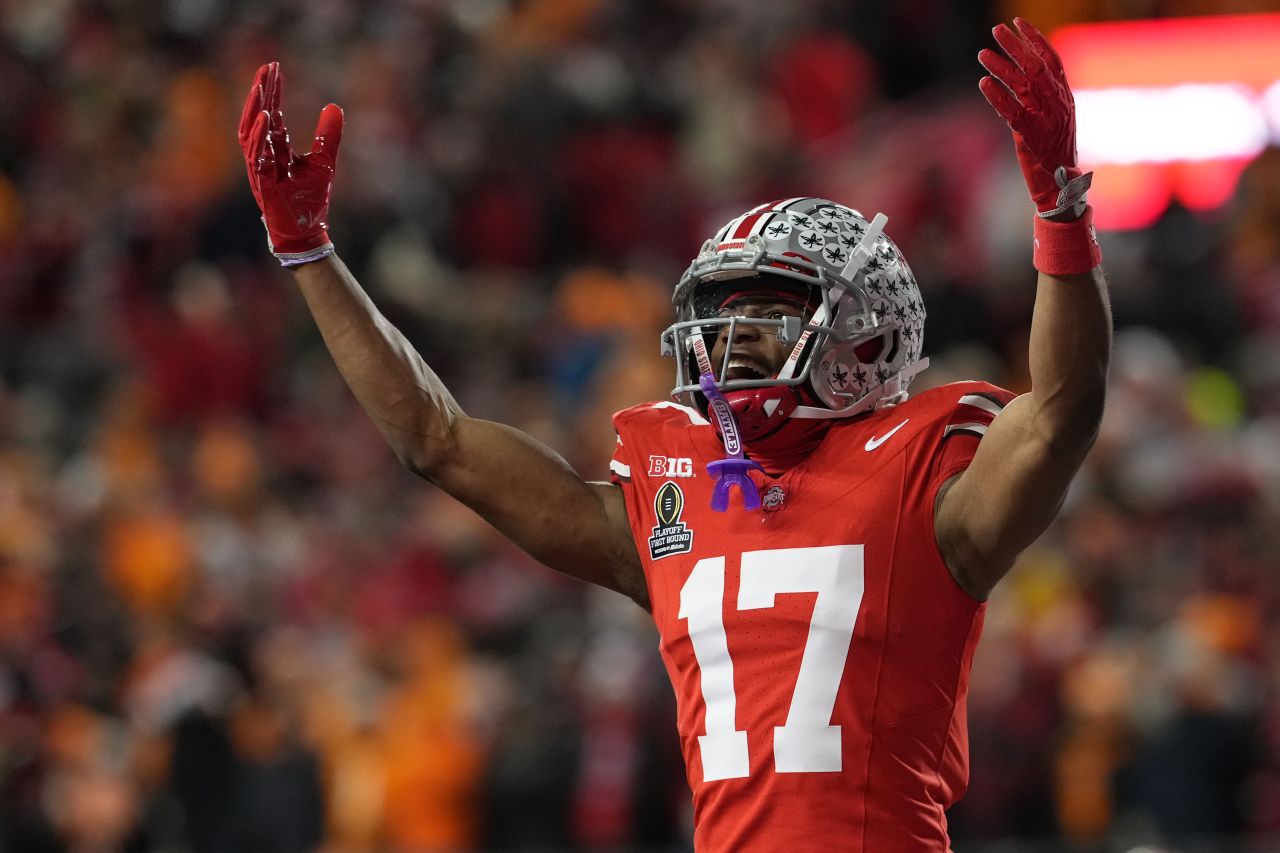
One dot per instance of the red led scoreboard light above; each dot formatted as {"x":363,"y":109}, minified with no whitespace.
{"x":1171,"y":109}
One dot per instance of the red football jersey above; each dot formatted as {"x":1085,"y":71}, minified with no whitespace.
{"x":818,"y":647}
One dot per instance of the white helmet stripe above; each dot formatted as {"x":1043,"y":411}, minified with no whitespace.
{"x":729,"y":229}
{"x":758,"y":228}
{"x":745,"y":226}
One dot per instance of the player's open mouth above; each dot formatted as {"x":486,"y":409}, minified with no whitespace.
{"x":740,"y":368}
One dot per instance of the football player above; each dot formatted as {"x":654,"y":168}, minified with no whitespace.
{"x":815,"y":546}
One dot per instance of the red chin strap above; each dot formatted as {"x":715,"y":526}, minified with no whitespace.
{"x":770,"y":435}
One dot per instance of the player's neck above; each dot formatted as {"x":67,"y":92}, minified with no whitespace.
{"x":788,"y":447}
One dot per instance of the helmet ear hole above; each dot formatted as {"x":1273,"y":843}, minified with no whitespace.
{"x":893,"y":350}
{"x":868,"y":352}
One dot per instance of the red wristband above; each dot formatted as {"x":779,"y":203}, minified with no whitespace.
{"x":1066,"y":248}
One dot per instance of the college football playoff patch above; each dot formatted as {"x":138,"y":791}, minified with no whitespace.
{"x":670,"y":534}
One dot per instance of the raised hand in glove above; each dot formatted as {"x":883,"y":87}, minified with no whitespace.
{"x":1031,"y":94}
{"x":292,"y":190}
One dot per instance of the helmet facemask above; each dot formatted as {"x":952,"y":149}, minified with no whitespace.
{"x":722,"y":307}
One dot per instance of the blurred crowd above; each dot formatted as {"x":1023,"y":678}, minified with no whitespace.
{"x":230,"y":622}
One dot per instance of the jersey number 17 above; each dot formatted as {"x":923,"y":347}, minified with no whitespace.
{"x":807,"y":743}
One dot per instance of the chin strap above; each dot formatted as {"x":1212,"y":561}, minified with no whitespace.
{"x":700,"y":351}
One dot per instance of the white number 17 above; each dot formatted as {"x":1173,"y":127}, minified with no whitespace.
{"x":807,"y":743}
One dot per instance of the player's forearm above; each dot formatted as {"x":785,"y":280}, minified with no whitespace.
{"x":1070,"y":350}
{"x":408,"y":402}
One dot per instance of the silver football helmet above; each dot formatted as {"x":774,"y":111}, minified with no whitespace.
{"x":858,"y":348}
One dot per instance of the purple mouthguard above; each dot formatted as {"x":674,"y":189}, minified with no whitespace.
{"x":731,"y":471}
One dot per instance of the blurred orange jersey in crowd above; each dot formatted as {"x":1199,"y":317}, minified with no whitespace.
{"x":819,"y":648}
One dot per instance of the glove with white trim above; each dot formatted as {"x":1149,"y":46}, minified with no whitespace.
{"x":1029,"y":90}
{"x":292,"y":190}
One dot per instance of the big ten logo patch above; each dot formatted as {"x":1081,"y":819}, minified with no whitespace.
{"x":670,"y":466}
{"x":670,"y":534}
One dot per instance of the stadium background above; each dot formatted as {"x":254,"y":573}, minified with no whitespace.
{"x":229,"y":621}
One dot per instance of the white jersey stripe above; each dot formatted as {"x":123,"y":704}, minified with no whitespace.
{"x":980,"y":402}
{"x":694,"y":416}
{"x":980,"y":429}
{"x":621,"y":470}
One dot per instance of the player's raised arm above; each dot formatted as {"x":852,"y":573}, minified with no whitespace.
{"x":1020,"y":473}
{"x":523,"y":488}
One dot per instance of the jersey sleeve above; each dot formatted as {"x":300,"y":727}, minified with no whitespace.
{"x":630,"y":427}
{"x":620,"y":464}
{"x":637,"y":428}
{"x":975,"y":407}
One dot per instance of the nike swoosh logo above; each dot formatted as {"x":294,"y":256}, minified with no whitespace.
{"x":874,"y":442}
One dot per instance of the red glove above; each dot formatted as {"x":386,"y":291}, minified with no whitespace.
{"x":292,"y":190}
{"x":1032,"y":95}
